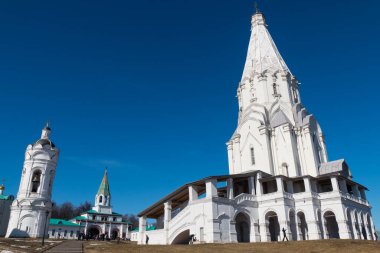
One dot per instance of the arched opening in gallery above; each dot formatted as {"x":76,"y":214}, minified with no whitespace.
{"x":332,"y":229}
{"x":273,"y":226}
{"x":242,"y":227}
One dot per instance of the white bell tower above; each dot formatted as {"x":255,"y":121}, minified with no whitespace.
{"x":31,"y":210}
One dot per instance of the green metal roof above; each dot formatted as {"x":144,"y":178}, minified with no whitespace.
{"x":60,"y":222}
{"x":95,"y":212}
{"x":104,"y":188}
{"x":6,"y":197}
{"x":148,"y":228}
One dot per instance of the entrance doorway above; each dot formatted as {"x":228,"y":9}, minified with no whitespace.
{"x":242,"y":228}
{"x":114,"y":234}
{"x":273,"y":226}
{"x":93,"y":232}
{"x":331,"y":225}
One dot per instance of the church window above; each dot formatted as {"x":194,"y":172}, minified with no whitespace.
{"x":253,"y":156}
{"x":53,"y":232}
{"x":71,"y":233}
{"x":36,"y":180}
{"x":94,"y":217}
{"x":274,"y":89}
{"x":100,"y":199}
{"x":295,"y":95}
{"x":285,"y":169}
{"x":105,"y":200}
{"x":114,"y":219}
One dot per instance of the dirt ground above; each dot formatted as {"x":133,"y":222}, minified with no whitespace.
{"x":323,"y":246}
{"x":25,"y":245}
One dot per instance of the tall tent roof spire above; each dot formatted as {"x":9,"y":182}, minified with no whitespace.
{"x":262,"y":52}
{"x":46,"y":131}
{"x":104,"y":188}
{"x":47,"y":125}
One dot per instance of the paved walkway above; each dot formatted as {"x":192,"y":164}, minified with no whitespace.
{"x":73,"y":246}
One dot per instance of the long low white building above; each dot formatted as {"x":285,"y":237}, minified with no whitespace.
{"x":62,"y":229}
{"x":280,"y":180}
{"x":256,"y":206}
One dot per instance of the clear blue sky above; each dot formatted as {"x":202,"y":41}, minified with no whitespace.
{"x":148,"y":88}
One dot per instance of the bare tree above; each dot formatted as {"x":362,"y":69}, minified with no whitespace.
{"x":55,"y":210}
{"x":132,"y":219}
{"x":83,"y":207}
{"x":66,"y":211}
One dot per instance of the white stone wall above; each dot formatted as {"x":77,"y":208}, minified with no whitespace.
{"x":213,"y":219}
{"x":63,"y":232}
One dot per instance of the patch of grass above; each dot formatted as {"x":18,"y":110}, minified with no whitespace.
{"x":25,"y":245}
{"x":322,"y":246}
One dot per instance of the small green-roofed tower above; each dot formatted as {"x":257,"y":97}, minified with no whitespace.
{"x":103,"y":197}
{"x":104,"y":188}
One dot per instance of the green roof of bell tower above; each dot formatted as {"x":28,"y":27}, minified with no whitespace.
{"x":104,"y":188}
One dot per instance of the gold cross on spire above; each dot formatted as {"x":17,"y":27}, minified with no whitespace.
{"x":2,"y":185}
{"x":257,"y":7}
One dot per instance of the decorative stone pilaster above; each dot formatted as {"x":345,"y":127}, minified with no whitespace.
{"x":314,"y":232}
{"x":233,"y":234}
{"x":335,"y":185}
{"x":230,"y":157}
{"x":230,"y":188}
{"x":344,"y":231}
{"x":193,"y":194}
{"x":237,"y":156}
{"x":255,"y":234}
{"x":167,"y":214}
{"x":289,"y":185}
{"x":307,"y":183}
{"x":259,"y":187}
{"x":142,"y":228}
{"x":211,"y":190}
{"x":280,"y":184}
{"x":251,"y":185}
{"x":264,"y":232}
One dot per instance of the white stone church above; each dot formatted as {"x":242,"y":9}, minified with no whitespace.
{"x":279,"y":173}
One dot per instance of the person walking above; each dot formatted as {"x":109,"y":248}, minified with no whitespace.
{"x":376,"y":236}
{"x":284,"y":233}
{"x":147,"y":239}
